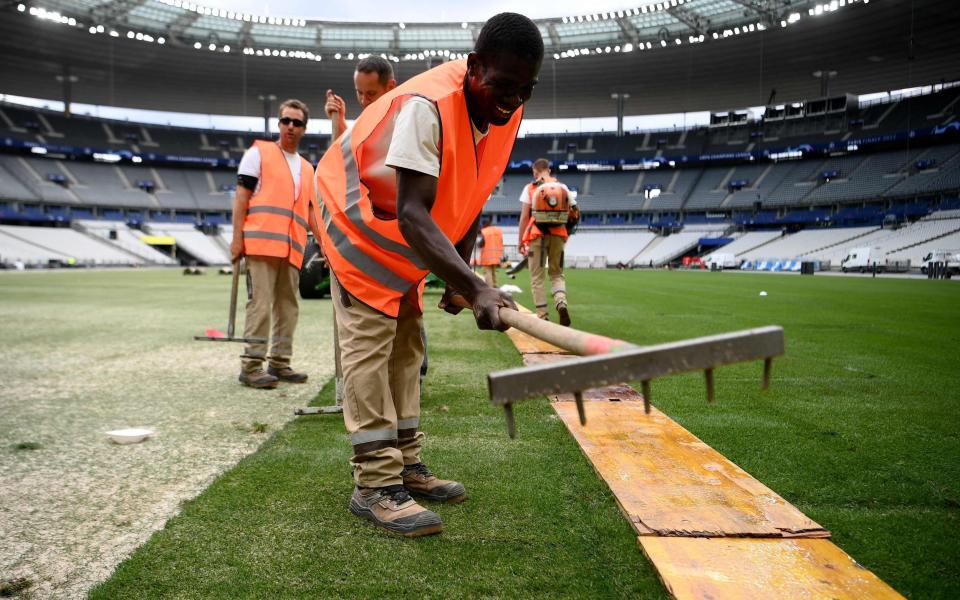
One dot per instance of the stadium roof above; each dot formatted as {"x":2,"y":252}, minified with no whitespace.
{"x":674,"y":56}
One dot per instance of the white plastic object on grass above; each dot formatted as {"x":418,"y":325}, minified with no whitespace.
{"x":763,"y":293}
{"x":511,"y":289}
{"x":130,"y":435}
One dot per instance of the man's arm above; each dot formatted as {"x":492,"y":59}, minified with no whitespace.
{"x":336,"y":110}
{"x":524,"y":220}
{"x":415,"y":196}
{"x":241,"y":201}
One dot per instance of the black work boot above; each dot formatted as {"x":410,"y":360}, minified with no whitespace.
{"x":564,"y":314}
{"x":420,"y":482}
{"x":392,"y":509}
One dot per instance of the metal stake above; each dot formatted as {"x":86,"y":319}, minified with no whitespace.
{"x":578,"y":396}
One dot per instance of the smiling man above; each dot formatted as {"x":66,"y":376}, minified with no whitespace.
{"x":401,"y":194}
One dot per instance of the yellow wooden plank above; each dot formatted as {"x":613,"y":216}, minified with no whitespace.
{"x":670,"y":483}
{"x":771,"y":569}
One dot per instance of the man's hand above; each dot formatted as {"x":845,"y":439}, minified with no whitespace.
{"x":335,"y":104}
{"x":486,"y":308}
{"x":236,"y":249}
{"x":448,"y":303}
{"x":523,"y":249}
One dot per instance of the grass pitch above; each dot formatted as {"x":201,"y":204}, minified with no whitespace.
{"x":859,"y":431}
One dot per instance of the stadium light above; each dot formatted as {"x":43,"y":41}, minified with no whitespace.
{"x":197,"y":45}
{"x":21,"y":7}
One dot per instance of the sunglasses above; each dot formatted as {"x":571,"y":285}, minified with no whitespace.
{"x":296,"y":122}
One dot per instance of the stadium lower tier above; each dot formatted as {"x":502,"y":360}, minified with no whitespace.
{"x":905,"y":246}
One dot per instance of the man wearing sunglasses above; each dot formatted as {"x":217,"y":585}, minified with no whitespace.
{"x":401,"y":194}
{"x":271,"y":213}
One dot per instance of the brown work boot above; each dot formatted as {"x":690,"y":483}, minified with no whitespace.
{"x":392,"y":509}
{"x":420,"y":482}
{"x":287,"y":374}
{"x":258,"y":379}
{"x":564,"y":314}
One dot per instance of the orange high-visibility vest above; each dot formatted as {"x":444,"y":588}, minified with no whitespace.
{"x":532,"y":231}
{"x":357,"y":192}
{"x":276,"y":223}
{"x":492,"y":251}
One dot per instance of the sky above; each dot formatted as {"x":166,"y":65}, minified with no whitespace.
{"x":414,"y":11}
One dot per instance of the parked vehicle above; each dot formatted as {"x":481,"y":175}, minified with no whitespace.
{"x":951,"y":258}
{"x":861,"y":259}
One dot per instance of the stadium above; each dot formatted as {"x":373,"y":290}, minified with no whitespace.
{"x":737,"y":164}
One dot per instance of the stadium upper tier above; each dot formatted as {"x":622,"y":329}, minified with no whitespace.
{"x":694,"y":55}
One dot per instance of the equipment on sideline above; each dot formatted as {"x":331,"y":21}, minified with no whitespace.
{"x":314,"y":274}
{"x":607,"y":361}
{"x":215,"y":335}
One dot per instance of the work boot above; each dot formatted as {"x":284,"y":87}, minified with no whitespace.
{"x":287,"y":374}
{"x":420,"y":482}
{"x":258,"y":379}
{"x":544,"y":317}
{"x":392,"y":509}
{"x":564,"y":314}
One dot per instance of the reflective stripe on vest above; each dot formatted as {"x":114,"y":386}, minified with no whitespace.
{"x":361,"y":237}
{"x":276,"y":223}
{"x":492,"y":251}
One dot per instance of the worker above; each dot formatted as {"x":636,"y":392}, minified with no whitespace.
{"x":401,"y":194}
{"x":270,"y":219}
{"x":548,"y":214}
{"x":490,"y":243}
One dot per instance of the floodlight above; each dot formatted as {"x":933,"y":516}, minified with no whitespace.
{"x":21,"y":7}
{"x":196,"y":45}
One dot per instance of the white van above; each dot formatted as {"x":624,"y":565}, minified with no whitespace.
{"x":861,"y":259}
{"x":950,"y":257}
{"x":722,"y":261}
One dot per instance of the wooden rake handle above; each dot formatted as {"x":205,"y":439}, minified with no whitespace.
{"x":572,"y":340}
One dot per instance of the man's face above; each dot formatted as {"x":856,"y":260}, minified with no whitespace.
{"x":538,"y":175}
{"x":369,"y":88}
{"x":290,"y":133}
{"x":498,"y":86}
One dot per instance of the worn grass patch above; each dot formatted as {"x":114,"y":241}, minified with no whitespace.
{"x":85,"y":352}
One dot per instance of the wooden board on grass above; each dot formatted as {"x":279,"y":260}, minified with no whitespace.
{"x":669,"y":483}
{"x":746,"y":569}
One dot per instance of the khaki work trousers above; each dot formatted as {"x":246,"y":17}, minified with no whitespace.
{"x":380,"y":357}
{"x":272,"y":311}
{"x":546,"y":254}
{"x":490,"y":275}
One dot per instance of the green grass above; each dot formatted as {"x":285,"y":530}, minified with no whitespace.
{"x":859,"y":431}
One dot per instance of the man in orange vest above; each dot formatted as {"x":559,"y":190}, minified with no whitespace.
{"x":401,"y":193}
{"x":491,"y":251}
{"x":270,"y":219}
{"x":544,"y":244}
